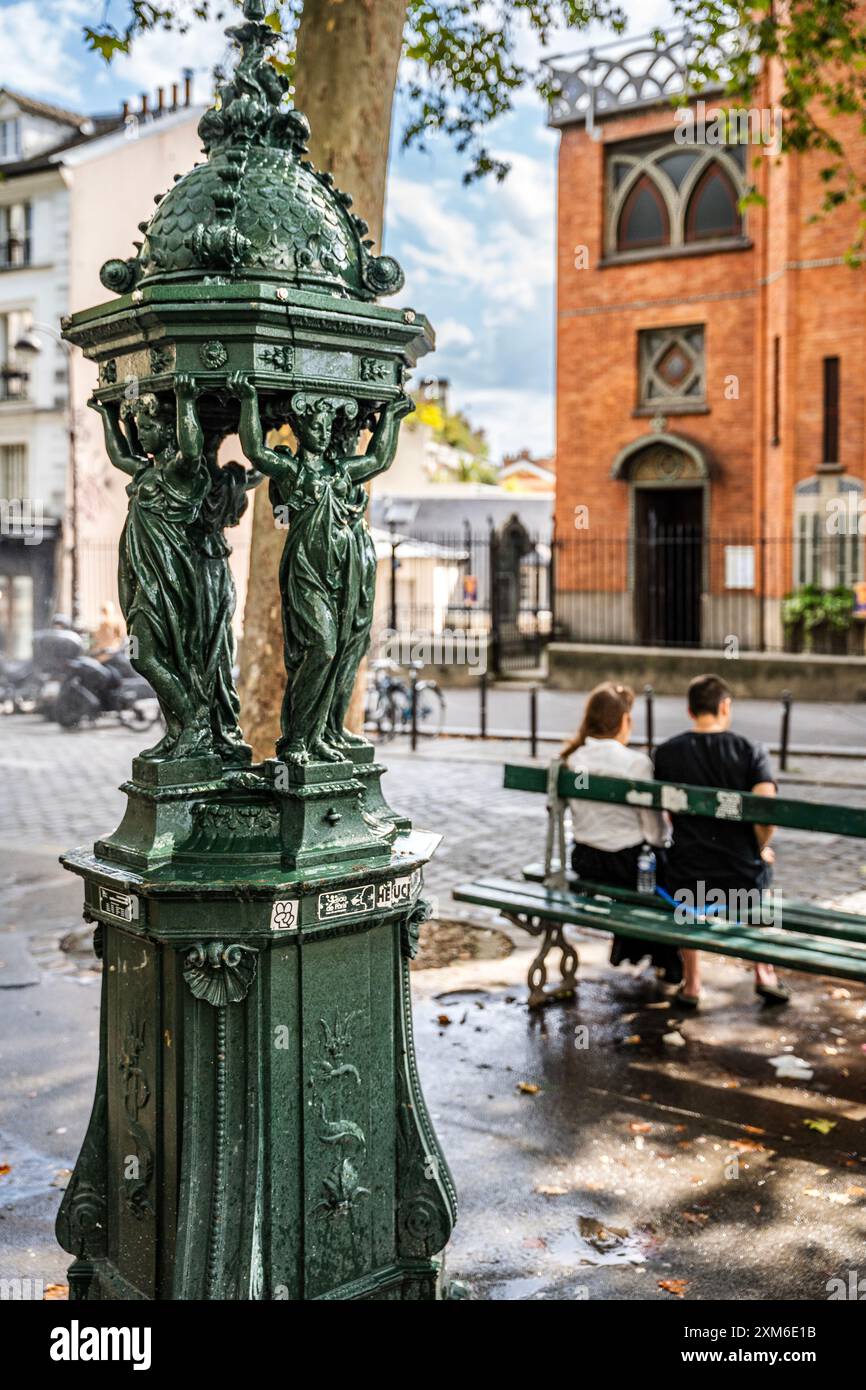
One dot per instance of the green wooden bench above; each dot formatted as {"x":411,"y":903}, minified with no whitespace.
{"x":802,"y":936}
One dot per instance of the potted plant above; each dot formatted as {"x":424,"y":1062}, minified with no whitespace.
{"x":818,"y":620}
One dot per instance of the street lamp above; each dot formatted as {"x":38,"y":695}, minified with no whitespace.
{"x":397,"y":514}
{"x":30,"y":344}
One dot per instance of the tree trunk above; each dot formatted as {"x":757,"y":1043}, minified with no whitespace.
{"x":348,"y":52}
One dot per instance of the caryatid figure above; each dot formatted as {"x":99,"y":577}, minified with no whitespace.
{"x":321,"y":569}
{"x":158,"y":572}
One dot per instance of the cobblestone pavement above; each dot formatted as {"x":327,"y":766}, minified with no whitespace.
{"x":597,"y":1170}
{"x":59,"y":789}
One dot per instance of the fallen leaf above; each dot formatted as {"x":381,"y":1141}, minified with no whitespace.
{"x":752,"y":1129}
{"x":675,"y":1286}
{"x":673,"y":1040}
{"x":528,"y":1088}
{"x":747,"y":1146}
{"x":856,"y":1191}
{"x":640,"y":1127}
{"x":695,"y":1218}
{"x":841,"y":1199}
{"x":55,"y":1291}
{"x":548,"y":1190}
{"x":822,"y":1126}
{"x":756,"y":1208}
{"x":4,"y":1169}
{"x":840,"y":994}
{"x":443,"y":1019}
{"x":630,"y":1041}
{"x":534,"y":1243}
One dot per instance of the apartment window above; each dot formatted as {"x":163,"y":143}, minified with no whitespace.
{"x":13,"y":471}
{"x":828,"y":539}
{"x":664,"y":196}
{"x":831,"y":411}
{"x":16,"y":222}
{"x":10,"y":139}
{"x":671,"y":369}
{"x":14,"y":374}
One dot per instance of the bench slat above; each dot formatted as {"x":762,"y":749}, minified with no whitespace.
{"x":708,"y":802}
{"x":796,"y":914}
{"x":812,"y":955}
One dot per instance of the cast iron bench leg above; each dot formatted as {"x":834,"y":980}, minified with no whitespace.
{"x":553,"y":939}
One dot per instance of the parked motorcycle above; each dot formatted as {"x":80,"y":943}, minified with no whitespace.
{"x":92,"y":688}
{"x":32,"y":685}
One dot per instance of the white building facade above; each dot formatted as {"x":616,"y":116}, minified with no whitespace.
{"x":72,"y":192}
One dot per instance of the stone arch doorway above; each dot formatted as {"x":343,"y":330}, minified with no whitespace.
{"x":668,"y":479}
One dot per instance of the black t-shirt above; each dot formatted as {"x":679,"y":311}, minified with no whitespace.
{"x":717,"y":851}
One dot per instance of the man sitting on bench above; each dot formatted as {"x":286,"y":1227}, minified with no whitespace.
{"x":713,"y":856}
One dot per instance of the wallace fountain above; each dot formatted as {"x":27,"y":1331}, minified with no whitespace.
{"x":258,"y":1129}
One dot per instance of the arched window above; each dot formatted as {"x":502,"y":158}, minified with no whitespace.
{"x":663,"y":198}
{"x":712,"y":210}
{"x":644,"y":218}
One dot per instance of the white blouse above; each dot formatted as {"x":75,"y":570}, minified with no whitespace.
{"x":612,"y":827}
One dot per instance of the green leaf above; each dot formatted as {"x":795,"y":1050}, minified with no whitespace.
{"x":105,"y":42}
{"x":822,"y":1126}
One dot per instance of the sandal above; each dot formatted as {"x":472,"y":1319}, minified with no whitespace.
{"x":773,"y":994}
{"x":687,"y":1001}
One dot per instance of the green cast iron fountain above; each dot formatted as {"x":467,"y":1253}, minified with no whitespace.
{"x":258,"y":1129}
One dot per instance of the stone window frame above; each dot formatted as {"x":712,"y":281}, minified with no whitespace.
{"x":820,"y":554}
{"x":643,"y":161}
{"x":671,"y":401}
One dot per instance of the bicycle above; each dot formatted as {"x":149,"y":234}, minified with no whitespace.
{"x":388,"y":707}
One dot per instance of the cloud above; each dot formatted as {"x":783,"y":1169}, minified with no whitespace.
{"x":38,"y":42}
{"x":450,"y":333}
{"x":501,"y":242}
{"x":158,"y":57}
{"x":511,"y":418}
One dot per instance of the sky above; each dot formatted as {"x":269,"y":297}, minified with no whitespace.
{"x":479,"y":260}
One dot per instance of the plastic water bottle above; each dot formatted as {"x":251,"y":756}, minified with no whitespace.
{"x":646,"y":871}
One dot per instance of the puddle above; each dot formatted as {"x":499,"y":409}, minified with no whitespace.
{"x":463,"y":996}
{"x":31,"y":1174}
{"x":517,"y":1290}
{"x":595,"y":1243}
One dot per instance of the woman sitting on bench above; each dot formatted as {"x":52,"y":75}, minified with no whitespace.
{"x":608,"y":838}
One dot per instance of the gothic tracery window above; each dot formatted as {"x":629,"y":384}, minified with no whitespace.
{"x":673,"y":196}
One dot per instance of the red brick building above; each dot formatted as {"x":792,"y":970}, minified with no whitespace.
{"x":710,"y":392}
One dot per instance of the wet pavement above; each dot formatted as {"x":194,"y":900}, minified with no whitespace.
{"x":646,"y":1157}
{"x":659,"y":1156}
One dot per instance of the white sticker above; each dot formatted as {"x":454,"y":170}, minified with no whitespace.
{"x":350,"y":902}
{"x":284,"y":915}
{"x":398,"y":891}
{"x":123,"y":907}
{"x":674,"y":799}
{"x":729,"y":806}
